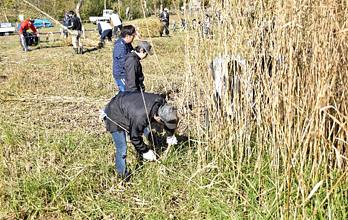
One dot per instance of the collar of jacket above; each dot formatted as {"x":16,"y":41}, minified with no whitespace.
{"x":134,"y":54}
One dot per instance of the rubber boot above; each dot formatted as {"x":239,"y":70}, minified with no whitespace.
{"x":81,"y":50}
{"x":76,"y":51}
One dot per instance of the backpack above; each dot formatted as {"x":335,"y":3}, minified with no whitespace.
{"x":31,"y":39}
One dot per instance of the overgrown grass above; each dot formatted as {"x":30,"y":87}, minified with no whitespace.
{"x":260,"y":162}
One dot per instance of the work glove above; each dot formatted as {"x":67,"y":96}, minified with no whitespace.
{"x":102,"y":114}
{"x":172,"y":140}
{"x":149,"y":155}
{"x":38,"y":35}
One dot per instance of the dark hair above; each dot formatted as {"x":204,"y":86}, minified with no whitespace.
{"x":127,"y":30}
{"x":137,"y":49}
{"x":71,"y":12}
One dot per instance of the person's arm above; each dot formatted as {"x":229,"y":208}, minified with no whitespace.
{"x":100,"y":29}
{"x":111,"y":23}
{"x":169,"y":132}
{"x":32,"y":27}
{"x":71,"y":24}
{"x":130,"y":68}
{"x":137,"y":126}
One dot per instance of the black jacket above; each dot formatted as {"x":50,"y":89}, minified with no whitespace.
{"x":127,"y":110}
{"x":75,"y":23}
{"x":164,"y":19}
{"x":134,"y":73}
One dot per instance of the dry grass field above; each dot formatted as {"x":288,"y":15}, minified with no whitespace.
{"x":277,"y":150}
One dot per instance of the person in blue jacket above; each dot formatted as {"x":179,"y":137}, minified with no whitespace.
{"x":122,"y":47}
{"x":66,"y":23}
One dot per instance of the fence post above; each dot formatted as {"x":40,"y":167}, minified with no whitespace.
{"x":61,"y":30}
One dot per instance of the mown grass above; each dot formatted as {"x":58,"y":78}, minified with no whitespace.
{"x":57,"y":161}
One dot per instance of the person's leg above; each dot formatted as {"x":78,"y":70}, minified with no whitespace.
{"x":121,"y":151}
{"x":102,"y":36}
{"x":120,"y":28}
{"x":121,"y":84}
{"x":167,"y":30}
{"x":148,"y":135}
{"x":115,"y":31}
{"x":23,"y":41}
{"x":74,"y":40}
{"x":109,"y":34}
{"x":80,"y":42}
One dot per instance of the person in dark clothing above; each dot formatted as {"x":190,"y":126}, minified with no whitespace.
{"x":130,"y":112}
{"x":164,"y":18}
{"x":122,"y":47}
{"x":76,"y":28}
{"x":134,"y":80}
{"x":66,"y":23}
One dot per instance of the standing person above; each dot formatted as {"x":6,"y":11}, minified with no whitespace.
{"x":122,"y":47}
{"x":134,"y":80}
{"x":164,"y":18}
{"x":127,"y":13}
{"x":76,"y":28}
{"x":132,"y":112}
{"x":66,"y":23}
{"x":116,"y":23}
{"x":22,"y":31}
{"x":206,"y":25}
{"x":105,"y":30}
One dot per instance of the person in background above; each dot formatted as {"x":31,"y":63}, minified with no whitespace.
{"x":164,"y":18}
{"x":132,"y":112}
{"x":105,"y":30}
{"x":22,"y":31}
{"x":134,"y":80}
{"x":76,"y":28}
{"x":66,"y":23}
{"x":206,"y":25}
{"x":182,"y":25}
{"x":116,"y":23}
{"x":122,"y":47}
{"x":127,"y":14}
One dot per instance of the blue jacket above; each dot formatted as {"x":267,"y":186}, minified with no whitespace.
{"x":121,"y":49}
{"x":66,"y":21}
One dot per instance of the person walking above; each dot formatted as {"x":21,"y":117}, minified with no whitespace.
{"x":116,"y":23}
{"x":132,"y":112}
{"x":164,"y":18}
{"x":134,"y":77}
{"x":76,"y":28}
{"x":22,"y":31}
{"x":105,"y":30}
{"x":122,"y":47}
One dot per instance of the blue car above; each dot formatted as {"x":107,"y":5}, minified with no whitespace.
{"x":39,"y":23}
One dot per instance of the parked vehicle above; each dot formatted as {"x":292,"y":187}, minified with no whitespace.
{"x":106,"y":16}
{"x":6,"y":28}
